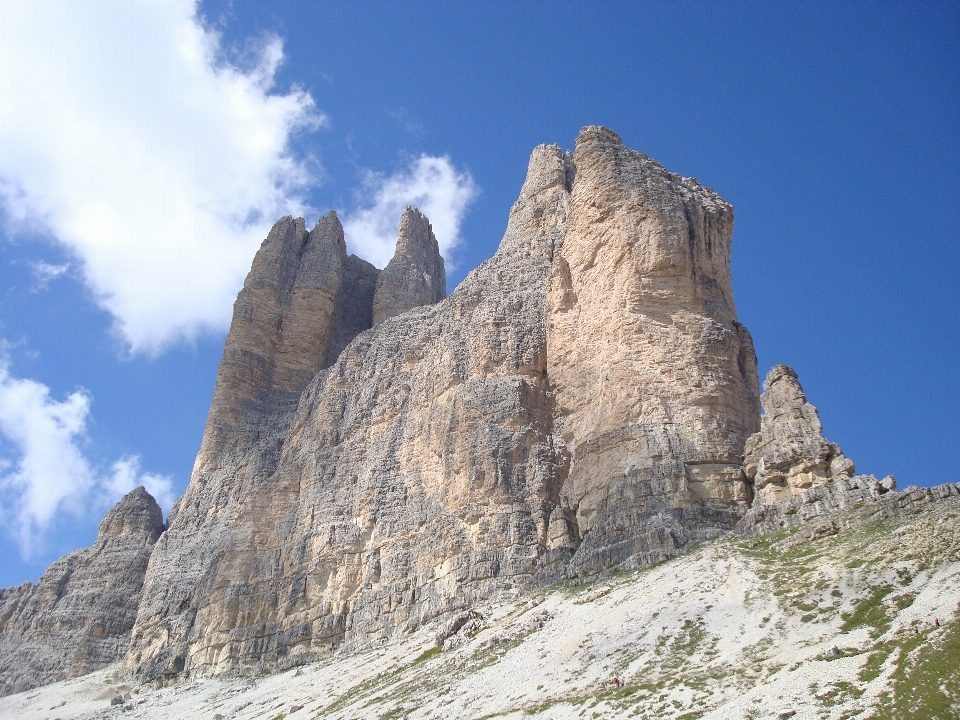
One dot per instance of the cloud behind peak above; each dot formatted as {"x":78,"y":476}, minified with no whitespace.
{"x":124,"y":136}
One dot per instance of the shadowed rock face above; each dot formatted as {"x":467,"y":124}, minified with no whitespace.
{"x":415,"y":276}
{"x":78,"y":617}
{"x":790,"y":455}
{"x":579,"y":402}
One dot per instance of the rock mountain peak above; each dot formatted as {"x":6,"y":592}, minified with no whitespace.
{"x":379,"y":456}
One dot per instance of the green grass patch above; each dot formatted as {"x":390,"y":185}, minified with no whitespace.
{"x":839,"y":693}
{"x":428,"y":654}
{"x":926,"y":683}
{"x":870,"y":612}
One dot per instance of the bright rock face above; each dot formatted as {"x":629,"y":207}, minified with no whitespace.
{"x":580,"y":402}
{"x":415,"y":276}
{"x":78,"y":616}
{"x":655,"y":380}
{"x":790,"y":455}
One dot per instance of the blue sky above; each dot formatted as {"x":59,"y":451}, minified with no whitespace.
{"x":146,"y":148}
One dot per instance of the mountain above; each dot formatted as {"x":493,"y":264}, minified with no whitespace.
{"x":77,"y":618}
{"x":383,"y":464}
{"x":580,"y":402}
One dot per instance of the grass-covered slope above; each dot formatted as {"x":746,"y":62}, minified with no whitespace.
{"x":862,"y":623}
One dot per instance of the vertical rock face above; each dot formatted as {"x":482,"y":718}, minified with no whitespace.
{"x":579,"y":402}
{"x":790,"y":455}
{"x":79,"y":615}
{"x":356,"y":309}
{"x":284,"y":327}
{"x":415,"y":276}
{"x":655,"y":379}
{"x":418,"y":471}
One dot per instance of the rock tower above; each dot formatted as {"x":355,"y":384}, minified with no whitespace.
{"x":790,"y":455}
{"x":377,"y":456}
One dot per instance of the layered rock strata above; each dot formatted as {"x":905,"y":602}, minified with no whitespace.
{"x":790,"y":454}
{"x":415,"y":276}
{"x":77,"y":618}
{"x":579,"y":402}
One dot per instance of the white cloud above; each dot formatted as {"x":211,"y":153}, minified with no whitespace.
{"x":44,"y":272}
{"x":49,"y":473}
{"x":161,"y":168}
{"x":432,"y":184}
{"x":125,"y":475}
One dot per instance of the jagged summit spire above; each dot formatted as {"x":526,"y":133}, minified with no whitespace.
{"x":415,"y":233}
{"x":136,"y":513}
{"x":416,"y":275}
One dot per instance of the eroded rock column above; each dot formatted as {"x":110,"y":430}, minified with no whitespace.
{"x":790,"y":455}
{"x":415,"y":276}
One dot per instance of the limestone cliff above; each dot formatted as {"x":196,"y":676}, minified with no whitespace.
{"x":790,"y":455}
{"x":580,"y":402}
{"x":655,"y":380}
{"x":77,"y":618}
{"x":415,"y":276}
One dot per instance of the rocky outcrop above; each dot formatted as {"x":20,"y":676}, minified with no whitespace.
{"x":842,"y":504}
{"x":415,"y":276}
{"x":579,"y":402}
{"x":77,"y":618}
{"x":790,"y":455}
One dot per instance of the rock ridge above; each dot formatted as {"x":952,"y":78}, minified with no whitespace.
{"x":77,"y":618}
{"x":827,"y":509}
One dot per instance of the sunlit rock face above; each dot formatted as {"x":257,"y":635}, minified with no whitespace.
{"x":790,"y":455}
{"x":655,"y":380}
{"x":580,"y":402}
{"x":77,"y":618}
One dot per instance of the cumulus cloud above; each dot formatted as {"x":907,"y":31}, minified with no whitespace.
{"x":432,"y":184}
{"x":125,"y":136}
{"x":43,"y":470}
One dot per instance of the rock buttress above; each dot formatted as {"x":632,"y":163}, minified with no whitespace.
{"x":77,"y":618}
